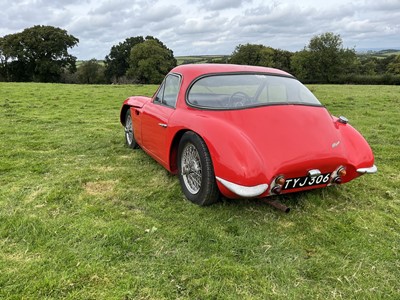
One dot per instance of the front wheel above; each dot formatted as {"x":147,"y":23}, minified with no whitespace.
{"x":129,"y":134}
{"x":196,"y":173}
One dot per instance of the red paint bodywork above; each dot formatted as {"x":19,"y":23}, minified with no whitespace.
{"x":250,"y":146}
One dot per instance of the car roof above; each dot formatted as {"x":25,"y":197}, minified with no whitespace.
{"x":195,"y":70}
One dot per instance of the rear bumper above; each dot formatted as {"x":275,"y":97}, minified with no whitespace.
{"x":243,"y":191}
{"x":370,"y":170}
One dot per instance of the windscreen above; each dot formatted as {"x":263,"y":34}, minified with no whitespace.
{"x":232,"y":91}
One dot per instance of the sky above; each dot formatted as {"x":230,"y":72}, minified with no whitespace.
{"x":206,"y":27}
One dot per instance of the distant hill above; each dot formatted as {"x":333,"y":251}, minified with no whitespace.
{"x":378,"y":52}
{"x":201,"y":59}
{"x":388,"y":52}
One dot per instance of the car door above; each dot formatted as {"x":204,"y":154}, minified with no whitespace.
{"x":155,"y":118}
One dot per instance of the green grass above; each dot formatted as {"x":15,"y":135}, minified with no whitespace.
{"x":84,"y":217}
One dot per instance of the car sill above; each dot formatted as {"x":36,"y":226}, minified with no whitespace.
{"x":244,"y":191}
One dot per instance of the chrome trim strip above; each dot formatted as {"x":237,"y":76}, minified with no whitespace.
{"x":370,"y":170}
{"x":244,"y":191}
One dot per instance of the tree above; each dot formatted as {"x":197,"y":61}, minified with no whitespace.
{"x":324,"y":59}
{"x":12,"y":69}
{"x":38,"y":53}
{"x":394,"y":66}
{"x":384,"y":63}
{"x":368,"y":65}
{"x":150,"y":61}
{"x":300,"y":64}
{"x":260,"y":55}
{"x":282,"y":60}
{"x":251,"y":54}
{"x":117,"y":62}
{"x":91,"y":72}
{"x":3,"y":61}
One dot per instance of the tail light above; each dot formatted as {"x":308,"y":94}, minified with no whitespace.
{"x":280,"y":180}
{"x":277,"y":189}
{"x":341,"y":172}
{"x":278,"y":184}
{"x":337,"y":180}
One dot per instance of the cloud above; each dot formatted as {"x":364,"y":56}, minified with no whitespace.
{"x":55,"y":3}
{"x":275,"y":15}
{"x":207,"y":26}
{"x":16,"y":17}
{"x":357,"y":26}
{"x":384,"y":5}
{"x":112,"y":22}
{"x":113,"y":7}
{"x":203,"y":26}
{"x":215,"y":5}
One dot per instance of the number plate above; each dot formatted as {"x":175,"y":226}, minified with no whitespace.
{"x":300,"y":182}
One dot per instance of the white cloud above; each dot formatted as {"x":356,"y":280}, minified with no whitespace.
{"x":213,"y":5}
{"x":208,"y":26}
{"x":384,"y":5}
{"x":202,"y":26}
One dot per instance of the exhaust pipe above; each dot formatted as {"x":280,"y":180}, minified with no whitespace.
{"x":278,"y":205}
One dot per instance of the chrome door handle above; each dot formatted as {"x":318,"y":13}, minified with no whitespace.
{"x":163,"y":125}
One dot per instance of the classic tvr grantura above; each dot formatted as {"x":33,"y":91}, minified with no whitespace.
{"x":243,"y":132}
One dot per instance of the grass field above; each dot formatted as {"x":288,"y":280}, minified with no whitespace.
{"x":84,"y":217}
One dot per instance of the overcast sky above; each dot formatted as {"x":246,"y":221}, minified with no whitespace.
{"x":208,"y":26}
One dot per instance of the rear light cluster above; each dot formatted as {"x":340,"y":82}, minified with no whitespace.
{"x":341,"y":172}
{"x":278,"y":184}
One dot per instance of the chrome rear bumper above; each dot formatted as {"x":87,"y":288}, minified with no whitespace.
{"x":370,"y":170}
{"x":244,"y":191}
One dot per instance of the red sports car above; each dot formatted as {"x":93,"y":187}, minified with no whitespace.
{"x":243,"y":131}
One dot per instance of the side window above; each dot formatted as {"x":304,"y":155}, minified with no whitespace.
{"x":168,"y":92}
{"x":171,"y":90}
{"x":160,"y":94}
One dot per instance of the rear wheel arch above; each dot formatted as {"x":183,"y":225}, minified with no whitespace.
{"x":173,"y":152}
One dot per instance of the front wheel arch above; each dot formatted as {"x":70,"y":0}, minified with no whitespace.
{"x":122,"y":116}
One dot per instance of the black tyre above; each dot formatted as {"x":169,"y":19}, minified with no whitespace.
{"x":196,"y":172}
{"x":129,"y":134}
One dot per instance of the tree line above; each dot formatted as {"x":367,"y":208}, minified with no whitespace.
{"x":323,"y":60}
{"x":40,"y":53}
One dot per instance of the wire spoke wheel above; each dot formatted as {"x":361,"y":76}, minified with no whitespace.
{"x":128,"y":131}
{"x":196,"y":172}
{"x":191,"y":168}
